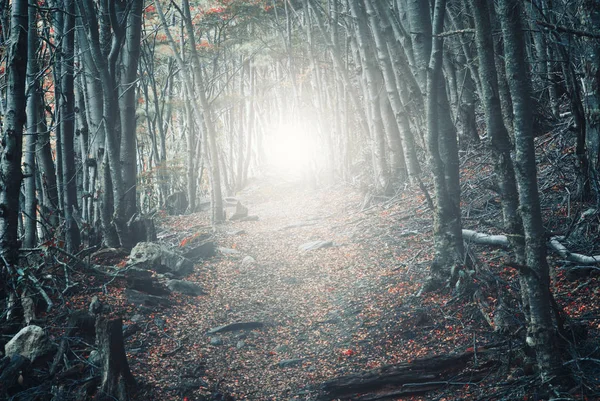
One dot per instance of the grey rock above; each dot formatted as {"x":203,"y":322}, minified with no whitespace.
{"x":228,"y":251}
{"x":216,"y":341}
{"x":314,"y":245}
{"x":139,"y":298}
{"x":149,"y":255}
{"x":203,"y":250}
{"x":249,"y":218}
{"x":248,"y":261}
{"x":185,"y":287}
{"x":240,"y":344}
{"x":290,"y":363}
{"x":31,"y":342}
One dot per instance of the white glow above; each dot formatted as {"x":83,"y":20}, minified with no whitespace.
{"x":290,"y":149}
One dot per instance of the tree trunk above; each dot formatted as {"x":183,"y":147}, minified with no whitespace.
{"x":540,"y":332}
{"x":117,"y":380}
{"x":33,"y":117}
{"x":498,"y":138}
{"x":371,"y":77}
{"x":127,"y":106}
{"x":406,"y":142}
{"x":443,"y":154}
{"x":67,"y":128}
{"x":12,"y":137}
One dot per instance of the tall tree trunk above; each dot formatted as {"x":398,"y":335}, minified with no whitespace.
{"x":407,"y":141}
{"x":443,"y":154}
{"x":499,"y":139}
{"x":371,"y":77}
{"x":67,"y":128}
{"x":591,"y":93}
{"x":12,"y":137}
{"x":34,"y":97}
{"x":127,"y":101}
{"x":540,"y":332}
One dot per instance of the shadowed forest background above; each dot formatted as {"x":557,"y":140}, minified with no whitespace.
{"x":299,"y":199}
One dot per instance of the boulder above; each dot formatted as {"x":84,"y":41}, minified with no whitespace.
{"x":139,"y":298}
{"x":314,"y":245}
{"x":185,"y":287}
{"x":149,"y":255}
{"x":248,"y":261}
{"x":31,"y":342}
{"x":203,"y":250}
{"x":241,"y":212}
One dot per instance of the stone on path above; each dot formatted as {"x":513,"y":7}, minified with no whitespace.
{"x":204,"y":250}
{"x":290,"y":363}
{"x":248,"y":261}
{"x":31,"y":342}
{"x":139,"y":298}
{"x":314,"y":245}
{"x":228,"y":251}
{"x":185,"y":287}
{"x":216,"y":341}
{"x":150,"y":255}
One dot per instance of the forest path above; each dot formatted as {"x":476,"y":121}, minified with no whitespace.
{"x":327,"y":312}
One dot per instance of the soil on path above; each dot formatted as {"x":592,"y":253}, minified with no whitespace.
{"x":331,"y":311}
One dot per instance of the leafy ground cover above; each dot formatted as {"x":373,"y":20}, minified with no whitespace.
{"x":353,"y":305}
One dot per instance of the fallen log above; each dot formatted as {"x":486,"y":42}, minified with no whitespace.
{"x":433,"y":372}
{"x":555,"y":244}
{"x":572,"y":257}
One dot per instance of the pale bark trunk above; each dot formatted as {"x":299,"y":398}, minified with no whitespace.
{"x":443,"y":154}
{"x":33,"y":120}
{"x":371,"y":77}
{"x":12,"y":137}
{"x":127,"y":101}
{"x":67,"y":128}
{"x":540,"y":333}
{"x":407,"y":142}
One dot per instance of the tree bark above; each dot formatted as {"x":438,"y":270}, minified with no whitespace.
{"x":540,"y":331}
{"x":117,"y":380}
{"x":33,"y":117}
{"x":127,"y":106}
{"x":67,"y":128}
{"x":12,"y":137}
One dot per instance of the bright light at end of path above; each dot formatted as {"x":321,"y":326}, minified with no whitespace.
{"x":291,"y":149}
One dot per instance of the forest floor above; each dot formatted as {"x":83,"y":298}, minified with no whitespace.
{"x":350,"y":307}
{"x":354,"y":305}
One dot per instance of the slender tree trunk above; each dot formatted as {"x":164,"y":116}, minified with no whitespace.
{"x":407,"y":141}
{"x":12,"y":138}
{"x":443,"y":154}
{"x":540,"y":333}
{"x":499,"y":139}
{"x":127,"y":101}
{"x":67,"y":128}
{"x":591,"y":94}
{"x":33,"y":115}
{"x":371,"y":77}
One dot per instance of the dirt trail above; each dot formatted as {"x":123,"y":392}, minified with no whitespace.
{"x":330,"y":311}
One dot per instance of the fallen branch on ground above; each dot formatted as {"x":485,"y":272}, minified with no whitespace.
{"x":502,"y":240}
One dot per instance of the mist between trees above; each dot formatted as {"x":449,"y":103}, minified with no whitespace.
{"x":116,"y":111}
